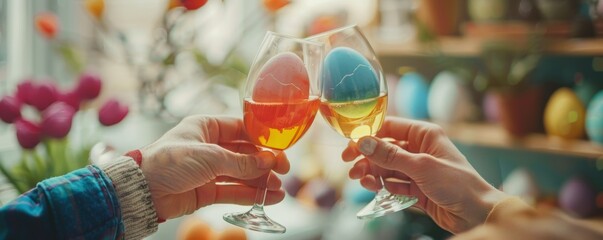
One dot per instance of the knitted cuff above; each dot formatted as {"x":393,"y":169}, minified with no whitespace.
{"x":138,"y":213}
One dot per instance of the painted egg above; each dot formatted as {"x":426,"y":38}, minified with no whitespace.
{"x":448,"y":100}
{"x":594,"y":118}
{"x":318,"y":192}
{"x":282,"y":79}
{"x":194,"y":228}
{"x":354,"y":193}
{"x":348,"y":76}
{"x":232,"y":233}
{"x":292,"y":185}
{"x":411,"y":96}
{"x":521,"y":183}
{"x":578,"y":197}
{"x":564,"y":115}
{"x":490,"y":107}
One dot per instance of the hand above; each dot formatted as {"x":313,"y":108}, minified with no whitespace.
{"x":447,"y":186}
{"x":205,"y":160}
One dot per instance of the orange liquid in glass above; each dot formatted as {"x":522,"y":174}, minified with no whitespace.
{"x":278,"y":125}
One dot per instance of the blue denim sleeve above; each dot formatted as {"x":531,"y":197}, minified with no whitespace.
{"x":79,"y":205}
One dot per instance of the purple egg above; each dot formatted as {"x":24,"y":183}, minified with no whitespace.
{"x":292,"y":185}
{"x":322,"y":192}
{"x":490,"y":106}
{"x":578,"y":198}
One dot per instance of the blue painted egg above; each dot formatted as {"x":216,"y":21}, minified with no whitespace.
{"x":594,"y":118}
{"x":411,"y":96}
{"x":354,"y":193}
{"x":348,"y":76}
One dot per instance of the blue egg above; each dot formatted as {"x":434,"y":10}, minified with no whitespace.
{"x":594,"y":118}
{"x":348,"y":76}
{"x":354,"y":193}
{"x":411,"y":96}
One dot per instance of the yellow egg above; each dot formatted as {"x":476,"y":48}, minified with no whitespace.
{"x":232,"y":233}
{"x":193,"y":228}
{"x":564,"y":115}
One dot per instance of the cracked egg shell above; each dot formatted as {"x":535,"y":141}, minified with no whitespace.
{"x":348,"y":76}
{"x":282,"y":79}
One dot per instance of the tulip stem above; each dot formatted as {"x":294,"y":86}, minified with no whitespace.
{"x":11,"y":179}
{"x":54,"y":165}
{"x":40,"y":165}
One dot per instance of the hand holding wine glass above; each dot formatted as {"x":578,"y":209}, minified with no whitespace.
{"x":354,"y":100}
{"x":280,"y":102}
{"x":420,"y":152}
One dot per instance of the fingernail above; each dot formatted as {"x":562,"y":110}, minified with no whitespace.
{"x":367,"y":145}
{"x":264,"y":162}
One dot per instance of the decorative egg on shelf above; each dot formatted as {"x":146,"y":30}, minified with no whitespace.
{"x":594,"y":118}
{"x":292,"y":184}
{"x":232,"y":233}
{"x":564,"y":115}
{"x":490,"y":107}
{"x":318,"y":193}
{"x":355,"y":194}
{"x":578,"y":198}
{"x":521,"y":183}
{"x":411,"y":96}
{"x":448,"y":100}
{"x":195,"y":228}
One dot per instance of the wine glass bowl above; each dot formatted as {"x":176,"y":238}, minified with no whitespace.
{"x":280,"y":101}
{"x":354,"y":100}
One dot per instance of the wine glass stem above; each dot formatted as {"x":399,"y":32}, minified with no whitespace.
{"x":260,"y":196}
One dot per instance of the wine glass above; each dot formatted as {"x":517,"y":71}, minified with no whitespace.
{"x":354,"y":101}
{"x":280,"y":101}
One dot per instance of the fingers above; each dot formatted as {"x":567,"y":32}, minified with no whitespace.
{"x":350,"y":152}
{"x":222,"y":162}
{"x":393,"y":157}
{"x":240,"y":147}
{"x":213,"y":129}
{"x":273,"y":183}
{"x":234,"y":194}
{"x":282,"y":165}
{"x":360,"y":169}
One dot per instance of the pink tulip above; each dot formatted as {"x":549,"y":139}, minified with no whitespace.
{"x":28,"y":133}
{"x":112,"y":112}
{"x":89,"y":86}
{"x":44,"y":94}
{"x":72,"y":98}
{"x":10,"y":109}
{"x":25,"y":91}
{"x":57,"y":119}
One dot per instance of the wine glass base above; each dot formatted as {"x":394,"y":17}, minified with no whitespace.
{"x":386,"y":204}
{"x":254,"y":220}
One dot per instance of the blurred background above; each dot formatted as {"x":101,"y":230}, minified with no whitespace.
{"x":516,"y":84}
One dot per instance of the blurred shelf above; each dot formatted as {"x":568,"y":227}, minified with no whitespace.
{"x":465,"y":46}
{"x":493,"y":135}
{"x":557,"y":40}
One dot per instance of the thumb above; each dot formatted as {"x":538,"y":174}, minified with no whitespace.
{"x":238,"y":165}
{"x":392,"y":157}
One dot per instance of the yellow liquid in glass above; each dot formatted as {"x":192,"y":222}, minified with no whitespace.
{"x":356,"y":119}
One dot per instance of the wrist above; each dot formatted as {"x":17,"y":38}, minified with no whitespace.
{"x":138,"y":213}
{"x":484,"y":203}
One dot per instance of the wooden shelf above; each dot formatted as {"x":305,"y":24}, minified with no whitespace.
{"x":493,"y":135}
{"x":460,"y":46}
